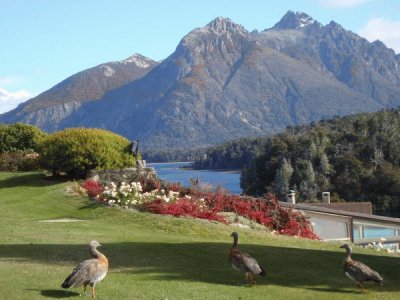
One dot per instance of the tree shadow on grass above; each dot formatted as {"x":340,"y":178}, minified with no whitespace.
{"x":29,"y":179}
{"x":334,"y":290}
{"x":316,"y":270}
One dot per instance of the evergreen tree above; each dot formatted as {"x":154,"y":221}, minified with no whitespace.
{"x":282,"y":178}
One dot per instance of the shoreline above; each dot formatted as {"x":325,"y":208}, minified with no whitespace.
{"x":234,"y":171}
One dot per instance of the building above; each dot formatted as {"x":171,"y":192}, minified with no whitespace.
{"x":352,"y":222}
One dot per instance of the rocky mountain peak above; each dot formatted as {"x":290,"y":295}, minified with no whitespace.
{"x":139,"y":60}
{"x":295,"y":20}
{"x":217,"y":34}
{"x":222,"y":25}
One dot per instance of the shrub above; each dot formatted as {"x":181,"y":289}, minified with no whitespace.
{"x":183,"y":207}
{"x":173,"y":199}
{"x":266,"y":211}
{"x":93,"y":188}
{"x":19,"y":137}
{"x":74,"y":151}
{"x":19,"y":161}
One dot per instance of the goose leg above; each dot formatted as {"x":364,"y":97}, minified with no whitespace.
{"x":252,"y":280}
{"x":93,"y":294}
{"x":360,"y":286}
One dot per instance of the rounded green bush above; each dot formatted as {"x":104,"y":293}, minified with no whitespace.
{"x":19,"y":137}
{"x":74,"y":151}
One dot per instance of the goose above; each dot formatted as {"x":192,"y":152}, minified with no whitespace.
{"x":358,"y":271}
{"x":244,"y":262}
{"x":90,"y":271}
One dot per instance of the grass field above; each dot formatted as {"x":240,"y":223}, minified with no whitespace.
{"x":157,"y":257}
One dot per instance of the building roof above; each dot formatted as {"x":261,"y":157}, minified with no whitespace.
{"x":311,"y":208}
{"x":357,"y":207}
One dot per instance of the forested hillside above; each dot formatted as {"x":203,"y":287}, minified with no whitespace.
{"x":356,"y":158}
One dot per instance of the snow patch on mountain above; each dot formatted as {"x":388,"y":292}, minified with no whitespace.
{"x":108,"y":71}
{"x":295,"y":20}
{"x":304,"y":20}
{"x":138,"y":60}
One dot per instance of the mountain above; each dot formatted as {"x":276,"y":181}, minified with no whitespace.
{"x":223,"y":82}
{"x":50,"y":108}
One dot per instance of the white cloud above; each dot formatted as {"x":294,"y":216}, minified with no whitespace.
{"x":341,"y":3}
{"x":10,"y":100}
{"x":10,"y":80}
{"x":387,"y":31}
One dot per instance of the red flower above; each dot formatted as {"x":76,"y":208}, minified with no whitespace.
{"x":93,"y":188}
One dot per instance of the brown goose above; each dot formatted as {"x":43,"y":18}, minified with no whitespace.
{"x":90,"y":271}
{"x":244,"y":262}
{"x":358,"y":271}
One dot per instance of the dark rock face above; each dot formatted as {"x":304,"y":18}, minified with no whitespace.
{"x":223,"y":82}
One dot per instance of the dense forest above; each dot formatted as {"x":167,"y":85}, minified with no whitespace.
{"x":356,"y":158}
{"x":232,"y":155}
{"x":173,"y":155}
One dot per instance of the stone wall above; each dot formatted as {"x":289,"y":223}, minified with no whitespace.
{"x":122,"y":175}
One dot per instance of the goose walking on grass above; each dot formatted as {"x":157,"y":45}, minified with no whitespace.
{"x":358,"y":271}
{"x":244,"y":262}
{"x":90,"y":271}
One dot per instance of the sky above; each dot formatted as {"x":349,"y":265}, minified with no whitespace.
{"x":46,"y":41}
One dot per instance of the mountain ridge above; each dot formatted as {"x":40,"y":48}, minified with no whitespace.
{"x":68,"y":95}
{"x":223,"y":82}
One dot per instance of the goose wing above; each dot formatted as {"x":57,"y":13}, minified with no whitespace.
{"x":88,"y":271}
{"x":361,"y":272}
{"x":251,"y":264}
{"x":244,"y":262}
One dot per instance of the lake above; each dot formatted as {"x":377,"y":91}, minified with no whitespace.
{"x":173,"y":172}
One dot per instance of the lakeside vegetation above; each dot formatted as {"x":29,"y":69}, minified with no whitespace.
{"x":356,"y":158}
{"x":159,"y":257}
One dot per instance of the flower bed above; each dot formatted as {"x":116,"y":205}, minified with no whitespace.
{"x":172,"y":199}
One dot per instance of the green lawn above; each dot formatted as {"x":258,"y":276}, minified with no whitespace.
{"x":157,"y":257}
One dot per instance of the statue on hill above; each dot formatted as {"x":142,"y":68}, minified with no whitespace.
{"x":135,"y":149}
{"x":135,"y":152}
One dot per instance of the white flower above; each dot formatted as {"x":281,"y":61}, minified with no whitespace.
{"x":173,"y":194}
{"x":188,"y":197}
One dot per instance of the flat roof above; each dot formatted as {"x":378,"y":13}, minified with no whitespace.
{"x":305,"y":207}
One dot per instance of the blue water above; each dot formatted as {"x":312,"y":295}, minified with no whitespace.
{"x":172,"y":172}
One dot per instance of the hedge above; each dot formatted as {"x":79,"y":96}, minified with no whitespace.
{"x":74,"y":151}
